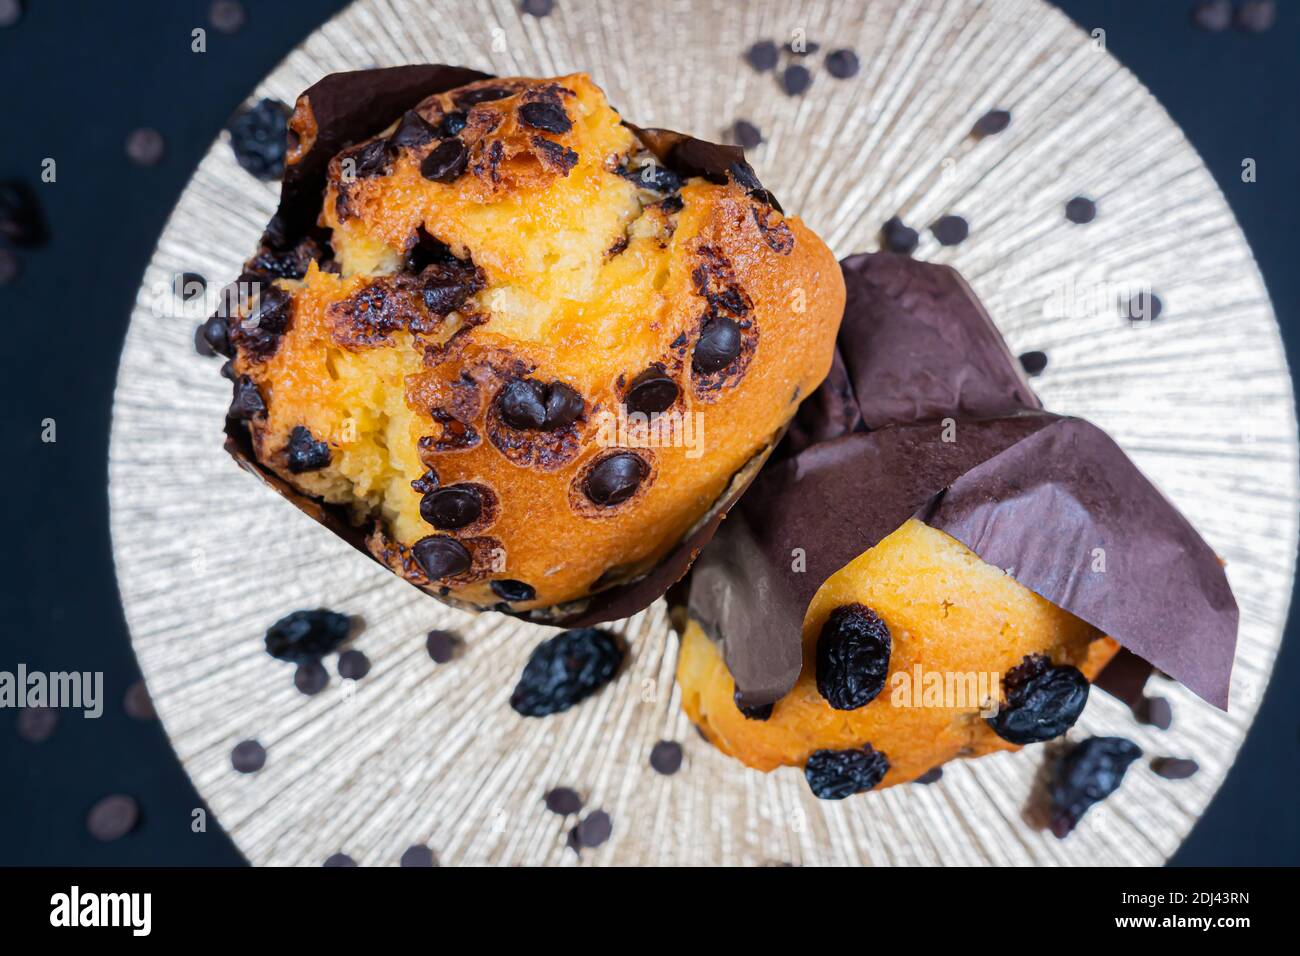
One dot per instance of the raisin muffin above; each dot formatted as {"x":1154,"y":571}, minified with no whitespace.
{"x":932,"y":565}
{"x":529,"y":348}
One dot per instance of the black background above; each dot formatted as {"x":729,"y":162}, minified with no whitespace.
{"x":75,"y":78}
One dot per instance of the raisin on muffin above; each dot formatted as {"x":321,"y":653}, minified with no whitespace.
{"x":532,"y":351}
{"x":932,"y":566}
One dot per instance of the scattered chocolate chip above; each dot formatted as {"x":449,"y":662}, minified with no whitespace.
{"x":595,"y":829}
{"x":248,"y":756}
{"x":853,"y":653}
{"x":1033,"y":362}
{"x":615,"y":479}
{"x":1256,"y":16}
{"x":145,"y":146}
{"x":412,"y":130}
{"x":652,"y":176}
{"x":452,"y":507}
{"x":652,"y":391}
{"x":557,"y":155}
{"x":1213,"y":16}
{"x":666,"y":757}
{"x":21,"y":219}
{"x":188,"y":285}
{"x":113,"y":817}
{"x":763,"y":55}
{"x":305,"y":453}
{"x":950,"y":230}
{"x":796,"y":79}
{"x":804,"y":48}
{"x":563,"y":801}
{"x":453,"y":122}
{"x":441,"y":557}
{"x":512,"y":591}
{"x":212,"y":337}
{"x":746,"y":134}
{"x":442,"y":646}
{"x":37,"y":724}
{"x":1043,"y":701}
{"x":1086,"y":774}
{"x":525,"y":403}
{"x":446,"y":286}
{"x":1174,"y":768}
{"x":11,"y":11}
{"x":353,"y":665}
{"x":565,"y":669}
{"x":752,"y":712}
{"x":563,"y":406}
{"x":842,"y":64}
{"x":991,"y":123}
{"x":226,"y":16}
{"x":537,"y":8}
{"x":258,"y":138}
{"x":744,"y":175}
{"x":137,"y":703}
{"x":310,"y":677}
{"x":307,"y":635}
{"x":418,"y":855}
{"x":1143,"y":307}
{"x":370,"y":160}
{"x":10,"y":267}
{"x":836,"y":774}
{"x":247,"y":402}
{"x":446,"y":163}
{"x":718,"y":345}
{"x":546,"y":116}
{"x":1156,"y":712}
{"x":338,"y":860}
{"x":1081,"y":210}
{"x":486,"y":94}
{"x":933,"y":775}
{"x":897,"y":237}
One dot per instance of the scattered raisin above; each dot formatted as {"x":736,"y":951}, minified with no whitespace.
{"x":852,"y":657}
{"x":836,"y":774}
{"x":1043,"y":701}
{"x":565,"y":669}
{"x":257,"y":135}
{"x":1088,"y":773}
{"x":307,"y":635}
{"x":305,"y":453}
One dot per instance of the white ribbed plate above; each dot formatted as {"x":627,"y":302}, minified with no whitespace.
{"x":207,"y":557}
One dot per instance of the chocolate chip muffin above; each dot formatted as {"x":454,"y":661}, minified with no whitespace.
{"x":527,"y":349}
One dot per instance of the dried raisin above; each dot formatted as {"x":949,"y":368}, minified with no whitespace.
{"x":565,"y":669}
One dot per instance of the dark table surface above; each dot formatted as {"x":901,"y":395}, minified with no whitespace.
{"x":78,"y":77}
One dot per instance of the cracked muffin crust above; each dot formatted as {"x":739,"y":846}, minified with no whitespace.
{"x":498,"y":280}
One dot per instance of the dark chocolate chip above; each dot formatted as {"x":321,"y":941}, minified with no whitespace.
{"x":1156,"y":711}
{"x":21,"y":219}
{"x":950,"y":230}
{"x":446,"y":162}
{"x":247,"y":402}
{"x":188,"y":285}
{"x":666,"y":757}
{"x":752,"y":711}
{"x":652,"y":391}
{"x":453,"y":123}
{"x":441,"y":557}
{"x":595,"y":829}
{"x":718,"y":345}
{"x":897,"y":237}
{"x":1256,"y":16}
{"x":413,"y":130}
{"x":448,"y":285}
{"x":226,"y":16}
{"x":563,"y":406}
{"x":113,"y":817}
{"x":248,"y":756}
{"x":510,"y":590}
{"x":258,"y":138}
{"x":522,"y":403}
{"x":563,"y":801}
{"x":615,"y":479}
{"x":37,"y":724}
{"x":425,"y":483}
{"x":842,"y":64}
{"x":145,"y":146}
{"x":744,"y":175}
{"x":652,"y":176}
{"x":537,"y":8}
{"x":1174,"y":768}
{"x":353,"y":665}
{"x":137,"y":702}
{"x":763,"y":55}
{"x":746,"y":134}
{"x":991,"y":123}
{"x":311,"y":677}
{"x":212,"y":337}
{"x":274,"y":306}
{"x":1143,"y":307}
{"x":485,"y":94}
{"x":546,"y":116}
{"x":1081,"y":210}
{"x":796,"y":79}
{"x":370,"y":160}
{"x":338,"y":860}
{"x":557,"y":155}
{"x":305,"y":453}
{"x":418,"y":855}
{"x":452,"y":507}
{"x":442,"y":646}
{"x":933,"y":775}
{"x":1033,"y":362}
